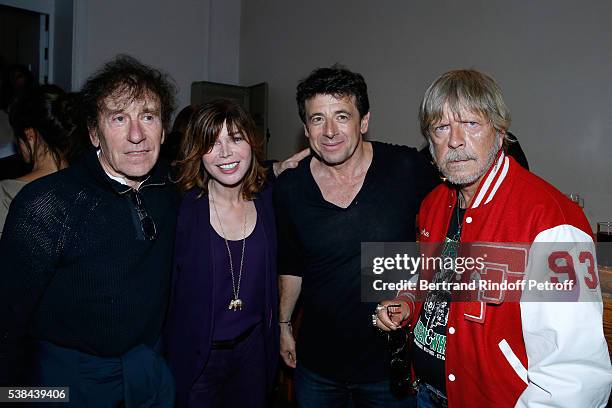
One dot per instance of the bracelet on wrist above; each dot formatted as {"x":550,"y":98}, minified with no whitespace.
{"x":288,"y":322}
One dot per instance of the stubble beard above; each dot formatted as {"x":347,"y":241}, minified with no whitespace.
{"x":454,"y":155}
{"x":349,"y":155}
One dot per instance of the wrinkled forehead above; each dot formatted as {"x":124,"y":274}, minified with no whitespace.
{"x":123,"y":98}
{"x":456,"y":108}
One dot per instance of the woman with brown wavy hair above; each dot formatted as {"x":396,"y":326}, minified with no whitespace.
{"x":222,"y":331}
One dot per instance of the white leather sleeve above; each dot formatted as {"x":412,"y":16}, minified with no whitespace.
{"x":568,"y":360}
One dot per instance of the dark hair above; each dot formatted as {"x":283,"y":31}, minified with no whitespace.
{"x":17,"y":80}
{"x":127,"y":79}
{"x":202,"y":133}
{"x":49,"y":111}
{"x":172,"y":143}
{"x":337,"y":81}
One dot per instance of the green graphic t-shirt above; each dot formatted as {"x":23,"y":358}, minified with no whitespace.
{"x":430,"y":330}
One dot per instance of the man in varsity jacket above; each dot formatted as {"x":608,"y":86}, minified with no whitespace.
{"x":500,"y":352}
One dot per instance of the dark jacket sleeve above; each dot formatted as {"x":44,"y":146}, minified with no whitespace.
{"x":270,"y":176}
{"x":430,"y":176}
{"x":29,"y":249}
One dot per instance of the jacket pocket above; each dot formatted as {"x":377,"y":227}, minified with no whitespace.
{"x":513,"y":360}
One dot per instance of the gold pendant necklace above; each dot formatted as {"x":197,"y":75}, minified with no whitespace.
{"x":235,"y":303}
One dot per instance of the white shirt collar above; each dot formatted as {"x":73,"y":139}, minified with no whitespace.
{"x":120,"y":180}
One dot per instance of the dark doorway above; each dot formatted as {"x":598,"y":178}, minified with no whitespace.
{"x":20,"y":39}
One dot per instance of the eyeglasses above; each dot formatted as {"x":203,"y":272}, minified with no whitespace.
{"x":146,"y":222}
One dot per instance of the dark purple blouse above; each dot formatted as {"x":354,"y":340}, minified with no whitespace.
{"x":229,"y":324}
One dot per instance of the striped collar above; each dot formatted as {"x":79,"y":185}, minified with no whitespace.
{"x":492,"y":181}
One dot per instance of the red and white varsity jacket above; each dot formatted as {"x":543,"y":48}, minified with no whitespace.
{"x":520,"y":354}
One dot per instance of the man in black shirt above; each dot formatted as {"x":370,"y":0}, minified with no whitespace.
{"x":351,"y":191}
{"x":86,"y":253}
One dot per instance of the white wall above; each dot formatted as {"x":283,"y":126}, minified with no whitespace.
{"x":171,"y":35}
{"x":192,"y":40}
{"x":552,"y":59}
{"x":224,"y":42}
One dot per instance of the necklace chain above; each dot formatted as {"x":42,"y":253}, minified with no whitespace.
{"x":236,"y":302}
{"x":457,"y":212}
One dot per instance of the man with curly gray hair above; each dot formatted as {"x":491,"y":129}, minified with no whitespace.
{"x":87,"y":251}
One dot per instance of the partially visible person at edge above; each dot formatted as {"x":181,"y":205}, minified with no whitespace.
{"x":15,"y":81}
{"x":501,"y":353}
{"x":170,"y":149}
{"x":87,"y":253}
{"x":42,"y":125}
{"x":350,"y":191}
{"x":222,"y":331}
